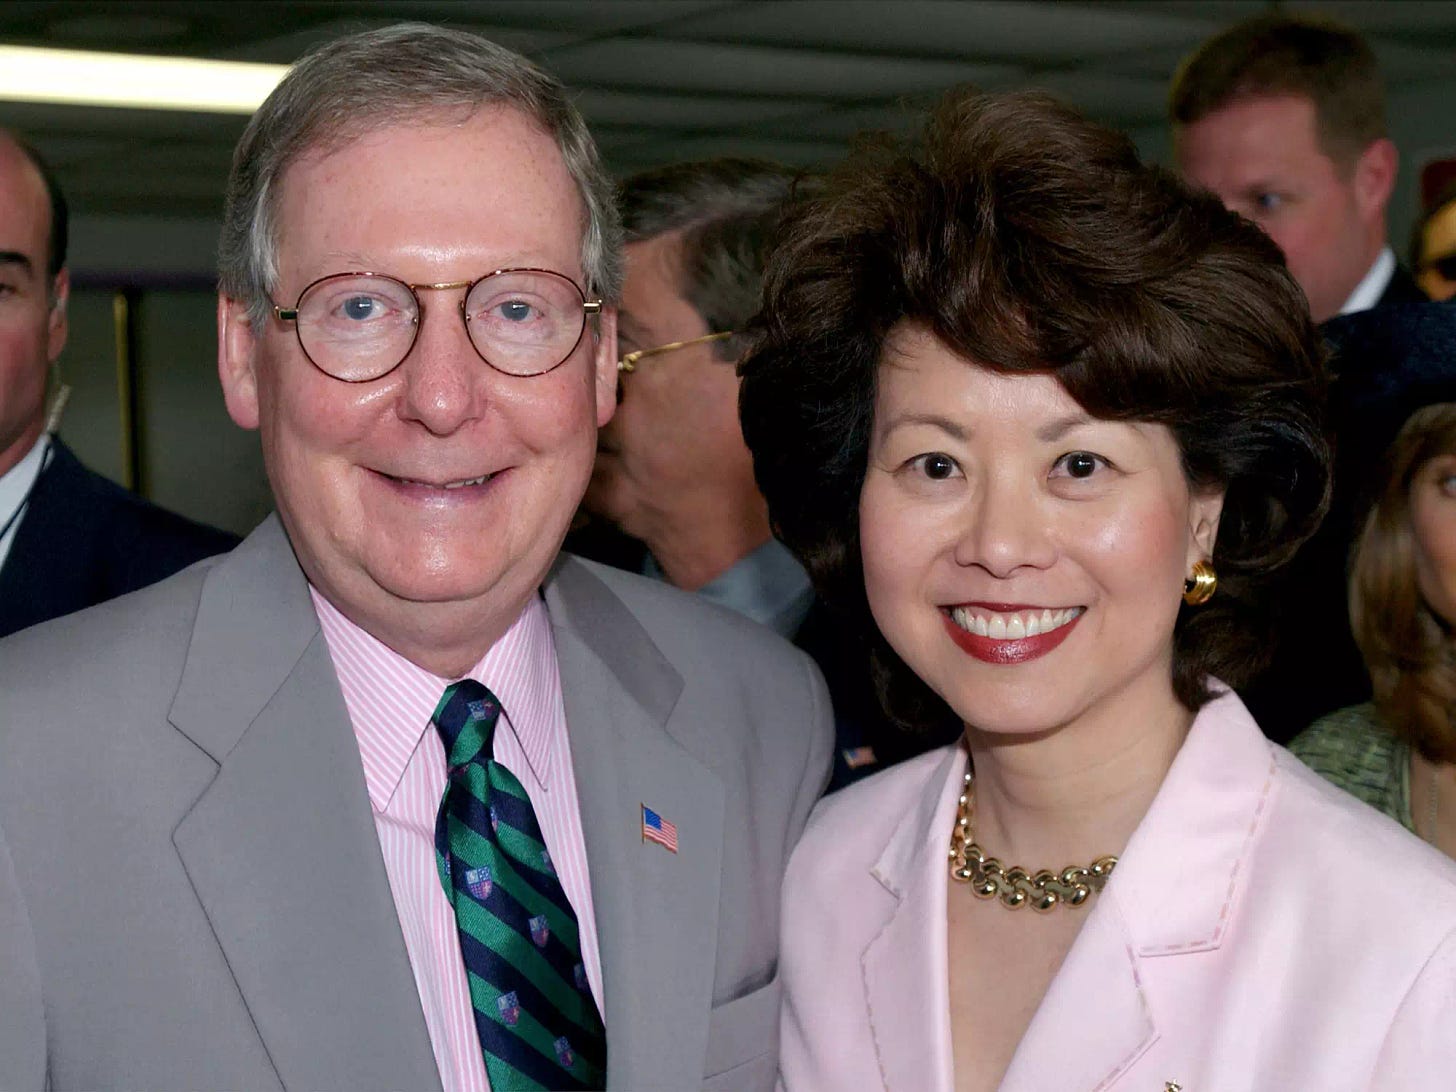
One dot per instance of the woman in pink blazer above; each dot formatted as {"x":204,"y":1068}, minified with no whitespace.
{"x":1041,"y":422}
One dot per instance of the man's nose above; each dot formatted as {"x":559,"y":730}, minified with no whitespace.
{"x":445,"y":379}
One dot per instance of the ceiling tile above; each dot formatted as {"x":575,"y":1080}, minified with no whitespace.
{"x":725,"y":68}
{"x":1107,"y":98}
{"x":798,"y":153}
{"x":1000,"y":29}
{"x":665,"y":110}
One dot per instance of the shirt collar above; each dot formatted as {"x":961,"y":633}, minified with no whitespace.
{"x":766,"y":585}
{"x":390,"y":699}
{"x":15,"y":486}
{"x":1373,"y":285}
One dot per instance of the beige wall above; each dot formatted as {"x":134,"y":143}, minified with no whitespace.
{"x":193,"y":459}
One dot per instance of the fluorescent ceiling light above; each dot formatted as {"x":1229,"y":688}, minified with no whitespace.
{"x":83,"y":78}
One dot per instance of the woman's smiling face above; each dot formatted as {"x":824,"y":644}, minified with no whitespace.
{"x":1023,"y":558}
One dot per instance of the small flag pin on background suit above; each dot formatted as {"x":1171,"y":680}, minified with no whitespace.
{"x":657,"y":829}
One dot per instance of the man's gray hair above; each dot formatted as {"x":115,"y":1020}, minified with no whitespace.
{"x":727,"y":210}
{"x":350,"y":86}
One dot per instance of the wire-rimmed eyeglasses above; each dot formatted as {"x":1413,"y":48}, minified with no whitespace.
{"x":357,"y":327}
{"x":628,"y":363}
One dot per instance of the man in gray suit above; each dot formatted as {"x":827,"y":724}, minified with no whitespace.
{"x":392,"y":796}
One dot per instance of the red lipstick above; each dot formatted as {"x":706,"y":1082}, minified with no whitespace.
{"x":994,"y":650}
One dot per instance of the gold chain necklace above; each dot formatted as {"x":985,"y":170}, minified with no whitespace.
{"x":1015,"y":886}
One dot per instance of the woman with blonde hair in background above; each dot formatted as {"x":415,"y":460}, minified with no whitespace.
{"x":1398,"y":752}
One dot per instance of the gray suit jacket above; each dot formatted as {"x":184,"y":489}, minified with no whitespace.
{"x":191,"y":888}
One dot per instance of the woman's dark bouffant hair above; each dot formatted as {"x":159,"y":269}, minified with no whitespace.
{"x":1028,"y":239}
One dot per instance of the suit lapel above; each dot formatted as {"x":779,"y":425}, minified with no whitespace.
{"x":281,"y":847}
{"x":48,"y":571}
{"x":904,"y":964}
{"x":656,"y":911}
{"x":1174,"y":895}
{"x":1094,"y":1021}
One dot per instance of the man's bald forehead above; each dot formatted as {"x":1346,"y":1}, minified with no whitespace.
{"x":15,"y":147}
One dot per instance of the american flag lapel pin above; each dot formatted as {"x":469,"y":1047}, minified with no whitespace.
{"x":657,"y":829}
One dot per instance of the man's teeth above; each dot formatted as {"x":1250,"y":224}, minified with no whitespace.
{"x":1012,"y":627}
{"x":472,"y":481}
{"x":451,"y":485}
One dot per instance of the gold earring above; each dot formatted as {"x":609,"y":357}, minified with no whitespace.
{"x":1200,"y":585}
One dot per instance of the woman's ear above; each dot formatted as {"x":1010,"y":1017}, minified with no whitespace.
{"x":1204,"y":510}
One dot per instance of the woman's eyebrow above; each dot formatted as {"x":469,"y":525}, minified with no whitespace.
{"x":934,"y":420}
{"x":1055,"y":430}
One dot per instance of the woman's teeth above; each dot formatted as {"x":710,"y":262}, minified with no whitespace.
{"x":1012,"y":627}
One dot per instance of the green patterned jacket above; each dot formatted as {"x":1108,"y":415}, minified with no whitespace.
{"x":1352,"y":749}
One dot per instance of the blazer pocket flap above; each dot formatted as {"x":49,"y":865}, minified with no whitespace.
{"x":743,"y":1029}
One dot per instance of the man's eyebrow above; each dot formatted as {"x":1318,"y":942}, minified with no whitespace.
{"x":1258,"y":186}
{"x":15,"y":257}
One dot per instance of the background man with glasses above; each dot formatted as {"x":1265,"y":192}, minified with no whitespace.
{"x":392,"y":796}
{"x":672,"y":470}
{"x":673,"y":476}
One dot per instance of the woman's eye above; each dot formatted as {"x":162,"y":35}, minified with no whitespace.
{"x":1077,"y":464}
{"x":936,"y":466}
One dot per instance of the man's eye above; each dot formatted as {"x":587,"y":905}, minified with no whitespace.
{"x":515,"y":310}
{"x":1268,"y":202}
{"x":359,"y":308}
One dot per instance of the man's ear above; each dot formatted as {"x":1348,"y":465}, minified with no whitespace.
{"x":237,"y":348}
{"x":1204,"y":510}
{"x":604,"y":361}
{"x":1374,"y":177}
{"x":56,"y":325}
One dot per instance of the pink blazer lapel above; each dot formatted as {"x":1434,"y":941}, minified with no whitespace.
{"x":904,"y":963}
{"x":1095,"y":1021}
{"x":1174,"y":894}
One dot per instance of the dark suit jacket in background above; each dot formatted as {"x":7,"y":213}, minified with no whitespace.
{"x":192,"y":893}
{"x":84,"y":539}
{"x":1388,"y":362}
{"x":1401,"y":289}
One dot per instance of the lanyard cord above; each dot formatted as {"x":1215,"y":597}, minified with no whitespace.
{"x":25,"y":500}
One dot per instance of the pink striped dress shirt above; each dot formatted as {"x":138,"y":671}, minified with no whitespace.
{"x":390,"y":701}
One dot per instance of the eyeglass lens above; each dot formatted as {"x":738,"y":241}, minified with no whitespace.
{"x":359,"y":327}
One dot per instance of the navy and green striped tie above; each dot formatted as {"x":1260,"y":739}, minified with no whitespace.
{"x":538,"y":1025}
